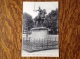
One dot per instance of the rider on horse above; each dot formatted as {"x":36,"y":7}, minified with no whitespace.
{"x":41,"y":15}
{"x":41,"y":12}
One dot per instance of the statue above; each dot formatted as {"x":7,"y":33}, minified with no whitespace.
{"x":40,"y":18}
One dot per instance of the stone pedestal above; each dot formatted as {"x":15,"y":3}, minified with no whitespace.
{"x":39,"y":33}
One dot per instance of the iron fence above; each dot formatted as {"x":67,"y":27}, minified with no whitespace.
{"x":39,"y":44}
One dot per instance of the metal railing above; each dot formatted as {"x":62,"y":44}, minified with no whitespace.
{"x":40,"y":44}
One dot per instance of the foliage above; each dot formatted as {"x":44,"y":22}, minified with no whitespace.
{"x":27,"y":22}
{"x":51,"y":21}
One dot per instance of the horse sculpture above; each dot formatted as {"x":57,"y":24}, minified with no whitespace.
{"x":40,"y":18}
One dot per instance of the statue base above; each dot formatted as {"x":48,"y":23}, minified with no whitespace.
{"x":39,"y":32}
{"x":39,"y":39}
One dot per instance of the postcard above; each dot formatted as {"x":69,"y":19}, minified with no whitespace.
{"x":40,"y":35}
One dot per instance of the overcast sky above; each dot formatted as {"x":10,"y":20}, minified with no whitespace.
{"x":28,"y":7}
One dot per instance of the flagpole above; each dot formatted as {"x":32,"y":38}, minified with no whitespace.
{"x":34,"y":7}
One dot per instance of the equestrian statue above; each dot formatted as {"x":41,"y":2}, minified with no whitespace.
{"x":39,"y":19}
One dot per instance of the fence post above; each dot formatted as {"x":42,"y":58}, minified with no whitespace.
{"x":55,"y":42}
{"x":29,"y":42}
{"x":30,"y":45}
{"x":44,"y":42}
{"x":55,"y":38}
{"x":39,"y":43}
{"x":47,"y":43}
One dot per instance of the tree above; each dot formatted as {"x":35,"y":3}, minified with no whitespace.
{"x":27,"y":22}
{"x":51,"y":21}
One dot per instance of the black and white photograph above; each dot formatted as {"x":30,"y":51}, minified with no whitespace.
{"x":40,"y":34}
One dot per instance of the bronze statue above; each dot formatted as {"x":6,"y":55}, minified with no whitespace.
{"x":40,"y":18}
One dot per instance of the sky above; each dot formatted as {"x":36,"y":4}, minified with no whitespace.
{"x":28,"y":7}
